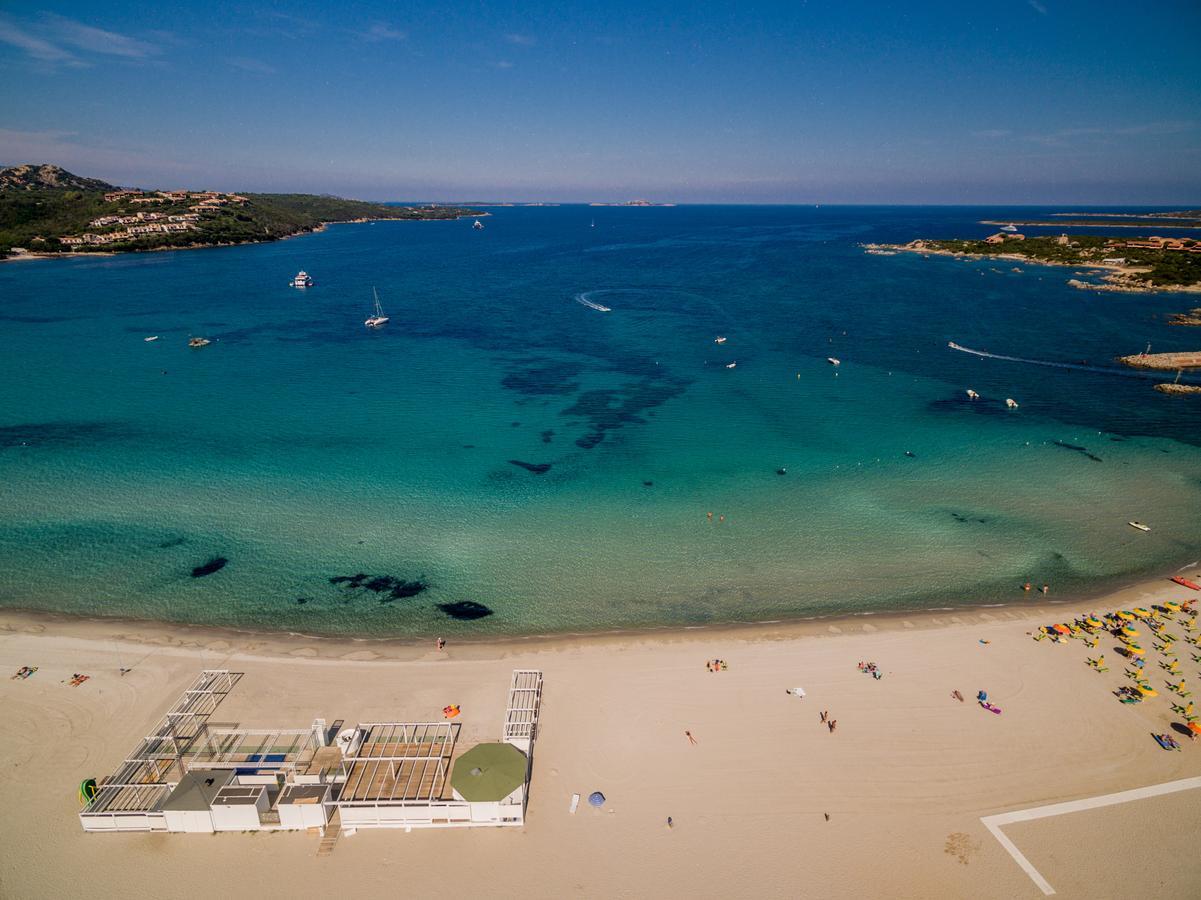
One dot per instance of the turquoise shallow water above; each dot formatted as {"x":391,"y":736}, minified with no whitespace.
{"x":302,"y":448}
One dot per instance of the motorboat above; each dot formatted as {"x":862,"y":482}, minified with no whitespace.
{"x":719,"y":340}
{"x":153,"y":337}
{"x":972,"y":395}
{"x":302,"y":280}
{"x":377,"y":317}
{"x":833,"y":361}
{"x":198,"y":342}
{"x":477,"y":225}
{"x":1011,"y":403}
{"x":1010,"y":228}
{"x":1139,"y":525}
{"x":731,"y":365}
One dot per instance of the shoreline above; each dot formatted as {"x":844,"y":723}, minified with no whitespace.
{"x":1112,"y":282}
{"x":75,"y":254}
{"x":292,"y":644}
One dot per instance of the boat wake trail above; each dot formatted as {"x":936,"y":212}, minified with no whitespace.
{"x":583,"y":298}
{"x":1080,"y":367}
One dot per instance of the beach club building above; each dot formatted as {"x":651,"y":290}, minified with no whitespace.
{"x":193,"y":777}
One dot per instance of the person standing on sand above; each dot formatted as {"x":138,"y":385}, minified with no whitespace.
{"x":691,"y":739}
{"x":823,"y":716}
{"x":440,"y":644}
{"x":832,"y":724}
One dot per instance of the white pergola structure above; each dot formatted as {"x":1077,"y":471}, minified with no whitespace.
{"x":521,"y":715}
{"x":131,"y":799}
{"x":396,"y":777}
{"x":259,"y":751}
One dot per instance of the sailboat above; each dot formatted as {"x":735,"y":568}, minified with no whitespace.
{"x":377,"y":318}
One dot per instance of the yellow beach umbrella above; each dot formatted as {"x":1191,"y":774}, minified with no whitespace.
{"x":1124,"y":615}
{"x":1130,"y":631}
{"x":1135,"y":649}
{"x":1147,"y":691}
{"x":1172,"y":606}
{"x":1142,"y":612}
{"x":1094,"y":622}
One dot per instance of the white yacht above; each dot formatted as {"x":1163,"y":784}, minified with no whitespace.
{"x":719,"y":340}
{"x":1009,"y":228}
{"x":833,"y":361}
{"x":1011,"y":403}
{"x":302,"y":280}
{"x":972,"y":395}
{"x":377,"y":318}
{"x":477,"y":224}
{"x":731,"y":365}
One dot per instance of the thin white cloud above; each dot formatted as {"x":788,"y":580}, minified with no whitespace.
{"x":38,"y":48}
{"x":1037,"y":7}
{"x":97,"y":40}
{"x":992,"y":133}
{"x":249,"y":64}
{"x":521,"y":40}
{"x":381,"y":31}
{"x":503,"y":64}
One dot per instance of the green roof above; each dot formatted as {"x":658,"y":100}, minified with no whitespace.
{"x":489,"y":772}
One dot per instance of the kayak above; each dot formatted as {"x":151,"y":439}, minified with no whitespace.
{"x":1184,"y":582}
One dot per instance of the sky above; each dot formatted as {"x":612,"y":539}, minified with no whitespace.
{"x":1018,"y":101}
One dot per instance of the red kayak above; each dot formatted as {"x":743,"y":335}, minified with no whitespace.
{"x":1184,"y":582}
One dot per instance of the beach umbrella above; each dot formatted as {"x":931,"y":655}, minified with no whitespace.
{"x":1172,"y":606}
{"x":1142,"y":612}
{"x":1062,"y":629}
{"x":1136,"y":649}
{"x":596,"y":798}
{"x":1194,"y":727}
{"x":1124,"y":614}
{"x":1130,"y":631}
{"x":488,"y":773}
{"x":1147,"y":691}
{"x":1094,"y":622}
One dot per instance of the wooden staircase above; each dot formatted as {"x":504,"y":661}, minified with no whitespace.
{"x":333,"y":831}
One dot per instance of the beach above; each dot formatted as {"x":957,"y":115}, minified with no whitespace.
{"x":905,"y":779}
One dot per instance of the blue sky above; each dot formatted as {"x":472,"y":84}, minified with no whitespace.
{"x":1020,"y":101}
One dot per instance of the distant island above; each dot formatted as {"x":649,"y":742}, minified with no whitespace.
{"x":46,"y":211}
{"x":632,"y":203}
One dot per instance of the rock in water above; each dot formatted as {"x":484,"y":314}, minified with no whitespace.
{"x":216,"y":564}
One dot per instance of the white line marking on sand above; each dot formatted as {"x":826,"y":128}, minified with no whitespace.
{"x":994,"y":823}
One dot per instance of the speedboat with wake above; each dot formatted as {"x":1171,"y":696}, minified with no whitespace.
{"x":1139,"y":525}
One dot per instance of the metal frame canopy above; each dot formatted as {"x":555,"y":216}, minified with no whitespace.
{"x":525,"y":702}
{"x":254,"y":749}
{"x":140,"y":783}
{"x":398,"y":762}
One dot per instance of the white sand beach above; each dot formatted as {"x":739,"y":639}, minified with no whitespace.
{"x":904,"y":780}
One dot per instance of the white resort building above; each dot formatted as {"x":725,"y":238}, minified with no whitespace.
{"x":188,"y":776}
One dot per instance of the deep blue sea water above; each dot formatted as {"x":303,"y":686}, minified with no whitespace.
{"x":301,"y":447}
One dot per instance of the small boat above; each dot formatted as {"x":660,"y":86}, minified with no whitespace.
{"x":377,"y":318}
{"x":593,"y":225}
{"x":1139,"y":525}
{"x":153,"y":337}
{"x":1184,"y":582}
{"x":1011,"y":403}
{"x":1010,"y":228}
{"x":477,"y":225}
{"x":972,"y":395}
{"x":198,"y":342}
{"x":731,"y":365}
{"x":834,"y":362}
{"x":302,"y":280}
{"x":719,"y":340}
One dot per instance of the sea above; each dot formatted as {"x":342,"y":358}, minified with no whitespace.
{"x":547,"y":438}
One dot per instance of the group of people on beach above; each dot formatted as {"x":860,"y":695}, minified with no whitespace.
{"x":716,"y":665}
{"x":870,"y":668}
